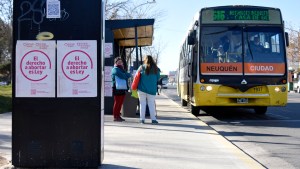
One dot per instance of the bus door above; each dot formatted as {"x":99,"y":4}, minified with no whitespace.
{"x":192,"y":70}
{"x":192,"y":62}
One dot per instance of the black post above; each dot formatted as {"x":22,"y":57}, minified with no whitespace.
{"x":141,"y":56}
{"x":136,"y":47}
{"x":55,"y":125}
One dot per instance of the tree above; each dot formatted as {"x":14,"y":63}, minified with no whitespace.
{"x":5,"y":30}
{"x":5,"y":71}
{"x":6,"y":7}
{"x":155,"y":51}
{"x":293,"y":54}
{"x":5,"y":41}
{"x":112,"y":9}
{"x":131,"y":9}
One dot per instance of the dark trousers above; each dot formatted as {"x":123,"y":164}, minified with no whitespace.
{"x":118,"y":102}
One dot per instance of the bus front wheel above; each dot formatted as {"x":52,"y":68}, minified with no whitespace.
{"x":183,"y":102}
{"x":260,"y":109}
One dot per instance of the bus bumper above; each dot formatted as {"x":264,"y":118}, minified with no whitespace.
{"x":217,"y":95}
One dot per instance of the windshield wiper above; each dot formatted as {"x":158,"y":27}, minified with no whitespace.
{"x":248,"y":44}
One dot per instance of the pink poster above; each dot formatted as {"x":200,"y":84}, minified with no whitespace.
{"x":35,"y":69}
{"x":77,"y":68}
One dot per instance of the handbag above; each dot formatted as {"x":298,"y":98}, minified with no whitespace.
{"x":121,"y":84}
{"x":134,"y":94}
{"x":136,"y":80}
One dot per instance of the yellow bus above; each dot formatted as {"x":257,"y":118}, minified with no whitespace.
{"x":234,"y":56}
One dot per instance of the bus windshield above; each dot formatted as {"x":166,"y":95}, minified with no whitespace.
{"x":264,"y":45}
{"x":221,"y":44}
{"x":242,"y":48}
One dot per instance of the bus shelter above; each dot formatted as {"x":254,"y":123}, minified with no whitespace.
{"x":121,"y":35}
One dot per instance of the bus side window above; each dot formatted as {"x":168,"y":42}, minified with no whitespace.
{"x":275,"y":45}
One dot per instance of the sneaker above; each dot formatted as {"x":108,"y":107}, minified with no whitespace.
{"x":154,"y":122}
{"x":121,"y":119}
{"x":142,"y":121}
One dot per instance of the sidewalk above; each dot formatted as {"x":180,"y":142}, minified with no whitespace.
{"x":5,"y":138}
{"x":179,"y":141}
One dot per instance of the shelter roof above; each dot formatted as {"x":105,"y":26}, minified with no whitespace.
{"x":124,"y":31}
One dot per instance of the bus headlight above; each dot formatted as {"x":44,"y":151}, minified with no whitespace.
{"x":283,"y":89}
{"x":277,"y":89}
{"x":208,"y":88}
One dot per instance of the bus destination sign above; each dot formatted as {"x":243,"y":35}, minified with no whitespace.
{"x":241,"y":14}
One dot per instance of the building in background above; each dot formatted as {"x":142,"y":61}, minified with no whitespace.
{"x":172,"y":76}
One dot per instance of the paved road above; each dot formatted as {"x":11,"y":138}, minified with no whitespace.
{"x":272,"y":139}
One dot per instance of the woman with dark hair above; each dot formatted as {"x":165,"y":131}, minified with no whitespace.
{"x":119,"y":94}
{"x":147,"y":88}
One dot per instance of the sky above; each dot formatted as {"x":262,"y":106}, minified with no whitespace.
{"x":172,"y":28}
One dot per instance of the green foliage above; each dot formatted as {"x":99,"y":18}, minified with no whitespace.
{"x":5,"y":68}
{"x":5,"y":72}
{"x":5,"y":99}
{"x":5,"y":41}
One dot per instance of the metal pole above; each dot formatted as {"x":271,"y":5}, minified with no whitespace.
{"x":141,"y":56}
{"x":136,"y":48}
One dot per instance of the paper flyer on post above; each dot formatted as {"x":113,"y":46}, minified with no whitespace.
{"x":77,"y":68}
{"x":35,"y":68}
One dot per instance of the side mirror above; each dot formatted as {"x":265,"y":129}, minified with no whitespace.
{"x":192,"y":37}
{"x":287,"y":39}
